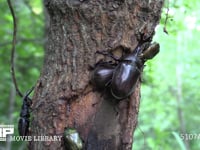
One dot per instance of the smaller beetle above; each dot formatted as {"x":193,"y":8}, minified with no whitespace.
{"x":23,"y":124}
{"x":150,"y":52}
{"x":102,"y":74}
{"x":72,"y":140}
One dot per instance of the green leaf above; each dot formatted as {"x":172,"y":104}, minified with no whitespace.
{"x":179,"y":140}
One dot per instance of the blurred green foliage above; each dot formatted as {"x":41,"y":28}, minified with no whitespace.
{"x":171,"y":83}
{"x":29,"y":57}
{"x":170,"y":80}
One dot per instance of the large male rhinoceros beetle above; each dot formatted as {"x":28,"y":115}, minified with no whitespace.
{"x":129,"y":70}
{"x":126,"y":75}
{"x":122,"y":77}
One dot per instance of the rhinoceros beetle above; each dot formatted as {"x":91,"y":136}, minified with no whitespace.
{"x":129,"y":69}
{"x":102,"y":74}
{"x":23,"y":124}
{"x":126,"y":74}
{"x":122,"y":77}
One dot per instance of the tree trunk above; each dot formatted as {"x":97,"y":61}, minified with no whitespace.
{"x":64,"y":96}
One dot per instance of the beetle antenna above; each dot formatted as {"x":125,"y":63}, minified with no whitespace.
{"x":28,"y":93}
{"x":13,"y":48}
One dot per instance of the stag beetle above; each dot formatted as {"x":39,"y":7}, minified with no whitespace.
{"x":23,"y":124}
{"x":122,"y":77}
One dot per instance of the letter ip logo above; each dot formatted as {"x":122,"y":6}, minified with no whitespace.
{"x":6,"y":130}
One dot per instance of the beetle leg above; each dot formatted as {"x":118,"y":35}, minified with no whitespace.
{"x":108,"y":83}
{"x":105,"y":63}
{"x":106,"y":86}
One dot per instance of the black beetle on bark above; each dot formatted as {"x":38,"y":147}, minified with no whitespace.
{"x":122,"y":77}
{"x":102,"y":74}
{"x":23,"y":124}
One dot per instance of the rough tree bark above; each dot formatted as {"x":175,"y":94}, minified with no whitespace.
{"x":63,"y":95}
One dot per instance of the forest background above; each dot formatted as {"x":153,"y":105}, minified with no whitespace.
{"x":170,"y":107}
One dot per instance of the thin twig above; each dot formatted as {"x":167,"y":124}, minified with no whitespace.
{"x":166,"y":18}
{"x":13,"y":48}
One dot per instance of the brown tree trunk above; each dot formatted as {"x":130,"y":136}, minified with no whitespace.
{"x":63,"y":95}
